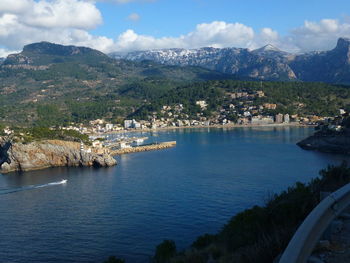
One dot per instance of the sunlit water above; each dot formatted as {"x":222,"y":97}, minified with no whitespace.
{"x":127,"y":210}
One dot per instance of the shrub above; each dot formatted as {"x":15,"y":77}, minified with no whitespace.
{"x":113,"y":259}
{"x":165,"y":251}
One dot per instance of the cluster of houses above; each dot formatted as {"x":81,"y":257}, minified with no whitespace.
{"x":239,"y":108}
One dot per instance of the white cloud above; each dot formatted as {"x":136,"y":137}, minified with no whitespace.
{"x":129,"y":1}
{"x":121,"y":1}
{"x":27,"y":21}
{"x":320,"y":35}
{"x":215,"y":34}
{"x":134,"y":17}
{"x":14,"y":6}
{"x":62,"y":13}
{"x":69,"y":21}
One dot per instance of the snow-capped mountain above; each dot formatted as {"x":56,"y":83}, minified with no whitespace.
{"x":266,"y":63}
{"x":238,"y":61}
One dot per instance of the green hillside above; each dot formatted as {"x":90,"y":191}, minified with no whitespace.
{"x":82,"y":83}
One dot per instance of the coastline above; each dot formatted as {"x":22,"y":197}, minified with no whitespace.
{"x":215,"y":126}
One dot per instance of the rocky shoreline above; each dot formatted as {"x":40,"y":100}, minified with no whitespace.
{"x":329,"y":142}
{"x":52,"y":153}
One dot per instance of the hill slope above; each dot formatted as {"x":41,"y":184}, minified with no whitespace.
{"x":82,"y":82}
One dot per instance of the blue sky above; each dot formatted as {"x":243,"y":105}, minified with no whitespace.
{"x":127,"y":25}
{"x":176,"y":17}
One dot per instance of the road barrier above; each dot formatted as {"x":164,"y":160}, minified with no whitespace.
{"x":310,"y":231}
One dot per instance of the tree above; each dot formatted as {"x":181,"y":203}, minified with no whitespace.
{"x":165,"y":251}
{"x":113,"y":259}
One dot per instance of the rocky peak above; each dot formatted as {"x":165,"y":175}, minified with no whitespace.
{"x":343,"y":43}
{"x":268,"y":47}
{"x":269,"y":51}
{"x":342,"y":50}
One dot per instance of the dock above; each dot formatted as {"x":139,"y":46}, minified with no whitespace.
{"x":144,"y":148}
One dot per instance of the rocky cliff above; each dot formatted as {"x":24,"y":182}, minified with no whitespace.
{"x":52,"y":153}
{"x":331,"y":142}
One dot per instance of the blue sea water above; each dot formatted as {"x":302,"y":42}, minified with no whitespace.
{"x":177,"y":194}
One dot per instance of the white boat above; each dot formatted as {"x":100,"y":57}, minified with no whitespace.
{"x":64,"y":181}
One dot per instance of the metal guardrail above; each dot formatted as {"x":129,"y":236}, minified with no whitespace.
{"x":310,"y":231}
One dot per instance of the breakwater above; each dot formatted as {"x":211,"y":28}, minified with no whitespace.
{"x":144,"y":148}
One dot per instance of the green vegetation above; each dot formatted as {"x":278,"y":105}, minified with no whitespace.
{"x":56,"y":85}
{"x":43,"y":133}
{"x":113,"y":259}
{"x":165,"y":251}
{"x":262,"y":232}
{"x":291,"y":97}
{"x":67,"y":84}
{"x":80,"y":86}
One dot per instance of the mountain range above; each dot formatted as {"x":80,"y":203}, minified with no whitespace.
{"x":50,"y":84}
{"x":266,"y":63}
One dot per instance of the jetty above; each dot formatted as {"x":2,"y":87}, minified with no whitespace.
{"x":144,"y":148}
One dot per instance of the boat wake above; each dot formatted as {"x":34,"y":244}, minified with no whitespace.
{"x":31,"y":187}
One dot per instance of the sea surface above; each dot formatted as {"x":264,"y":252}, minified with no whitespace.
{"x":177,"y":194}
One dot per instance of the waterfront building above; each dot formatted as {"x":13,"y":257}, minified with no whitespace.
{"x":279,"y":118}
{"x":127,"y":124}
{"x":262,"y":120}
{"x":206,"y":123}
{"x":109,"y":126}
{"x":135,"y":124}
{"x":179,"y":123}
{"x":286,"y":118}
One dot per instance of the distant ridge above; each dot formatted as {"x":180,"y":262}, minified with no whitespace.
{"x":265,"y":63}
{"x":44,"y":53}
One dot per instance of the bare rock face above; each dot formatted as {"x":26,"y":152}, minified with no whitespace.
{"x":52,"y":153}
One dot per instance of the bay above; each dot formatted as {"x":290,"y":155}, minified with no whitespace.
{"x":177,"y":194}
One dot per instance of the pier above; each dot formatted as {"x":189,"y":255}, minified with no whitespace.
{"x":144,"y":148}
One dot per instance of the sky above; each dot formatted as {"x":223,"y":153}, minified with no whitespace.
{"x":129,"y":25}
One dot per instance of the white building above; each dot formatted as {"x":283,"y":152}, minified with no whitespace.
{"x":202,"y":103}
{"x":109,"y":126}
{"x":128,"y":124}
{"x":260,"y":120}
{"x":286,"y":118}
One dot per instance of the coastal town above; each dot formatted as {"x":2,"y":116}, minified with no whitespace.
{"x":246,"y":108}
{"x":239,"y":109}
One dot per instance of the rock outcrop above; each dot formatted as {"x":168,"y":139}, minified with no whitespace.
{"x":330,"y":142}
{"x":52,"y":153}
